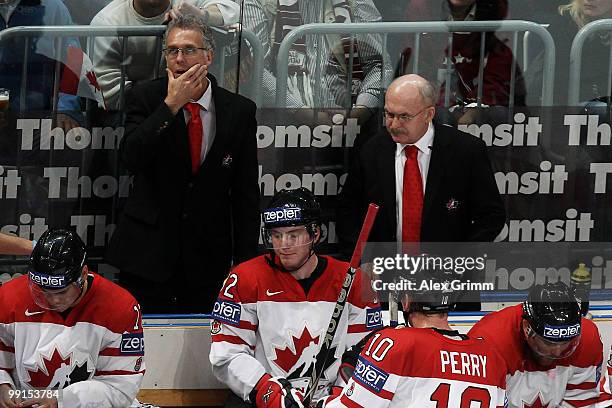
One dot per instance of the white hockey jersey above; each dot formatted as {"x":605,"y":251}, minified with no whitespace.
{"x":95,"y":354}
{"x":265,"y":323}
{"x":575,"y":381}
{"x":424,"y":368}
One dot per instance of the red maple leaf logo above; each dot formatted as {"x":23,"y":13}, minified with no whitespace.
{"x":286,"y":358}
{"x":537,"y":403}
{"x":48,"y":376}
{"x":93,"y":80}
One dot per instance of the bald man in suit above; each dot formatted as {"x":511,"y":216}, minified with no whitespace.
{"x":459,"y":200}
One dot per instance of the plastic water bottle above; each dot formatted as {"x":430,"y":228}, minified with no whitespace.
{"x":580,"y":280}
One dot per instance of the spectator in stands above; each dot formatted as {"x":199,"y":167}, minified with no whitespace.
{"x":462,"y":74}
{"x":140,"y":56}
{"x":83,"y":11}
{"x":595,"y":52}
{"x":41,"y":52}
{"x":534,"y":10}
{"x":319,"y":66}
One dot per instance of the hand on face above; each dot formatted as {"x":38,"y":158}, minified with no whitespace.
{"x":186,"y":86}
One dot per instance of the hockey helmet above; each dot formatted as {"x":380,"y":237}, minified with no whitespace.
{"x":432,"y":293}
{"x":56,"y":262}
{"x":289,"y":208}
{"x":554,"y":321}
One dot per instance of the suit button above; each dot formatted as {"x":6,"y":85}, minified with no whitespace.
{"x":190,"y":184}
{"x":184,"y":216}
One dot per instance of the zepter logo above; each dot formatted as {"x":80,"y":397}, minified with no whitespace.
{"x":48,"y":280}
{"x":560,"y":333}
{"x":282,"y":214}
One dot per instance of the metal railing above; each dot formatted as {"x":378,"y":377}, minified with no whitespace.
{"x":573,"y":97}
{"x":418,"y":28}
{"x":59,"y":33}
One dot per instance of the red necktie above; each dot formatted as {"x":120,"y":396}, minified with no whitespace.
{"x":196,"y":133}
{"x":412,"y":197}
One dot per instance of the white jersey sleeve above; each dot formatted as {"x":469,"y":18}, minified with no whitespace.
{"x":119,"y":368}
{"x":234,"y":337}
{"x":7,"y":352}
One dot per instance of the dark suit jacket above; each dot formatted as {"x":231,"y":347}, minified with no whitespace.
{"x":175,"y":223}
{"x":459,"y":170}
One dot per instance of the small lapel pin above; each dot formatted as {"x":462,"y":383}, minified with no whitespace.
{"x":227,"y":161}
{"x":452,"y":204}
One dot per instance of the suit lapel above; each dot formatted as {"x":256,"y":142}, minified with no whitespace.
{"x":441,"y":154}
{"x":386,"y":168}
{"x":223,"y":118}
{"x":179,"y":127}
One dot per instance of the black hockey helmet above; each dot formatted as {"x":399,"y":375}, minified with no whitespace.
{"x":432,"y":293}
{"x":290,"y":208}
{"x":553,"y":312}
{"x":554,"y":321}
{"x":57,"y":260}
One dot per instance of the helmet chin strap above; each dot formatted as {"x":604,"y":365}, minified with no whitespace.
{"x":83,"y":286}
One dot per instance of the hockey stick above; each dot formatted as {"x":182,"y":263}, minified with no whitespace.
{"x":341,"y":302}
{"x":393,"y":311}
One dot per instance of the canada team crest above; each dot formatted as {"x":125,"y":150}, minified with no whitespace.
{"x":302,"y":349}
{"x":298,"y":358}
{"x":57,"y":371}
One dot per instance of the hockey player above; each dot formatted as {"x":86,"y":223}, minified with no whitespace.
{"x":426,"y":365}
{"x":63,"y":327}
{"x":554,"y":356}
{"x":273,"y":311}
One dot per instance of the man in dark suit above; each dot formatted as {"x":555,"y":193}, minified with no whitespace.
{"x":452,"y":198}
{"x":194,"y":207}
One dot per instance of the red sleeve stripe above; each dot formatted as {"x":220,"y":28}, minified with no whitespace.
{"x":118,"y":372}
{"x":115,"y":352}
{"x":217,"y":338}
{"x":247,"y":325}
{"x":4,"y":347}
{"x":110,"y":351}
{"x":8,"y":370}
{"x":382,"y":394}
{"x":346,"y":402}
{"x":604,"y":397}
{"x":243,"y":324}
{"x":582,"y":403}
{"x":582,"y":386}
{"x":357,"y":328}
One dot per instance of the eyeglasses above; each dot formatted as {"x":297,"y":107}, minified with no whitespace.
{"x":403,"y":117}
{"x":172,"y":52}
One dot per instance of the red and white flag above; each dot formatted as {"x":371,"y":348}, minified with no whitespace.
{"x":79,"y":78}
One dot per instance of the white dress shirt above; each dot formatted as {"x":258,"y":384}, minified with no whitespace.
{"x":209,"y":122}
{"x":423,"y":157}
